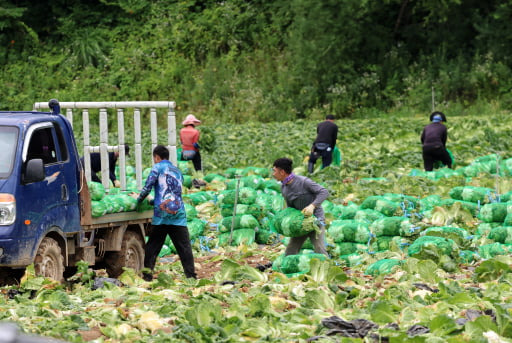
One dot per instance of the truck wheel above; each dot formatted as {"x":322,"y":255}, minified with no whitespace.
{"x":131,"y":255}
{"x":49,"y":261}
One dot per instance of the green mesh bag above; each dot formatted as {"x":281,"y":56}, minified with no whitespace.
{"x":389,"y":226}
{"x":387,"y":207}
{"x":346,"y":248}
{"x":495,"y":212}
{"x":508,"y":219}
{"x":299,"y":263}
{"x":264,"y":202}
{"x":166,"y":250}
{"x":290,"y":222}
{"x":507,"y":196}
{"x":384,"y":243}
{"x":409,"y":229}
{"x":368,"y":215}
{"x":327,"y":206}
{"x":456,"y":192}
{"x":187,"y":181}
{"x":227,"y":210}
{"x":231,"y":172}
{"x":429,"y":202}
{"x":382,"y":267}
{"x":98,"y":208}
{"x":190,"y":211}
{"x":336,"y":211}
{"x":265,"y":237}
{"x":128,"y":203}
{"x":476,"y":194}
{"x":243,"y":221}
{"x":407,"y":200}
{"x":145,"y":173}
{"x":111,"y":205}
{"x":197,"y":197}
{"x":246,"y":195}
{"x":195,"y":228}
{"x":351,"y":260}
{"x":272,"y":184}
{"x":231,"y":184}
{"x":468,"y":256}
{"x":484,"y":229}
{"x":144,"y":206}
{"x":278,"y":203}
{"x":267,"y":223}
{"x":254,"y":181}
{"x":214,"y":177}
{"x":263,"y":172}
{"x":240,"y":237}
{"x":184,"y":166}
{"x":431,"y":247}
{"x":370,"y":202}
{"x":96,"y":190}
{"x":458,"y":235}
{"x":113,"y":191}
{"x":470,"y":206}
{"x":501,"y":234}
{"x":349,"y":211}
{"x":349,"y":231}
{"x":487,"y":251}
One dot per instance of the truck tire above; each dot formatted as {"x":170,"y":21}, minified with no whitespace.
{"x":131,"y":255}
{"x":49,"y":261}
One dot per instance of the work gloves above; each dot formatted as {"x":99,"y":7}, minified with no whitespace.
{"x":308,"y":210}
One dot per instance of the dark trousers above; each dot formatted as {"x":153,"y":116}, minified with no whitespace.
{"x":180,"y":238}
{"x":324,"y":154}
{"x":432,"y":154}
{"x":196,"y":160}
{"x":317,"y":239}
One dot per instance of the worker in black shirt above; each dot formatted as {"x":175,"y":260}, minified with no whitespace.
{"x":323,"y":146}
{"x":433,"y":139}
{"x":112,"y":160}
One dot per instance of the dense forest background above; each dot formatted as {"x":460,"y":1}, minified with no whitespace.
{"x":261,"y":60}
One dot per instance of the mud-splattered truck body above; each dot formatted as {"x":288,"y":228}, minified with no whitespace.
{"x":45,"y":205}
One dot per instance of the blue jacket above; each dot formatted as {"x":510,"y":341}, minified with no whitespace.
{"x":168,"y":204}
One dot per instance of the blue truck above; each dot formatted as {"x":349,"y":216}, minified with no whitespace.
{"x":45,"y":205}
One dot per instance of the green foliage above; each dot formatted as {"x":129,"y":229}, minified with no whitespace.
{"x":261,"y":60}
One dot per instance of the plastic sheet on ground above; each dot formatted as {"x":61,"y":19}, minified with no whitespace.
{"x":356,"y":328}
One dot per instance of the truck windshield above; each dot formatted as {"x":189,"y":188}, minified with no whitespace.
{"x":8,"y":142}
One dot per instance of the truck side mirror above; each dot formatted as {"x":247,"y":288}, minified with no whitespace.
{"x":34,"y":171}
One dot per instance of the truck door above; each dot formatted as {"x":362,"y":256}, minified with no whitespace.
{"x":53,"y":202}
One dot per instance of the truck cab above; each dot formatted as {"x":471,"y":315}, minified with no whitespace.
{"x":39,"y":184}
{"x":45,"y":206}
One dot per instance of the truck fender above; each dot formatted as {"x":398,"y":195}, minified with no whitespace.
{"x":114,"y":236}
{"x":57,"y":234}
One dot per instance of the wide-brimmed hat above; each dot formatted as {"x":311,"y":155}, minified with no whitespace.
{"x":191,"y":120}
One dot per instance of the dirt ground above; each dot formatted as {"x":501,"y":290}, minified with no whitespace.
{"x":207,"y":266}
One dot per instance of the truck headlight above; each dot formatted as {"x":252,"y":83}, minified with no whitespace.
{"x":7,"y":209}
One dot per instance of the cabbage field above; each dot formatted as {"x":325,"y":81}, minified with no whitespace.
{"x":414,"y":256}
